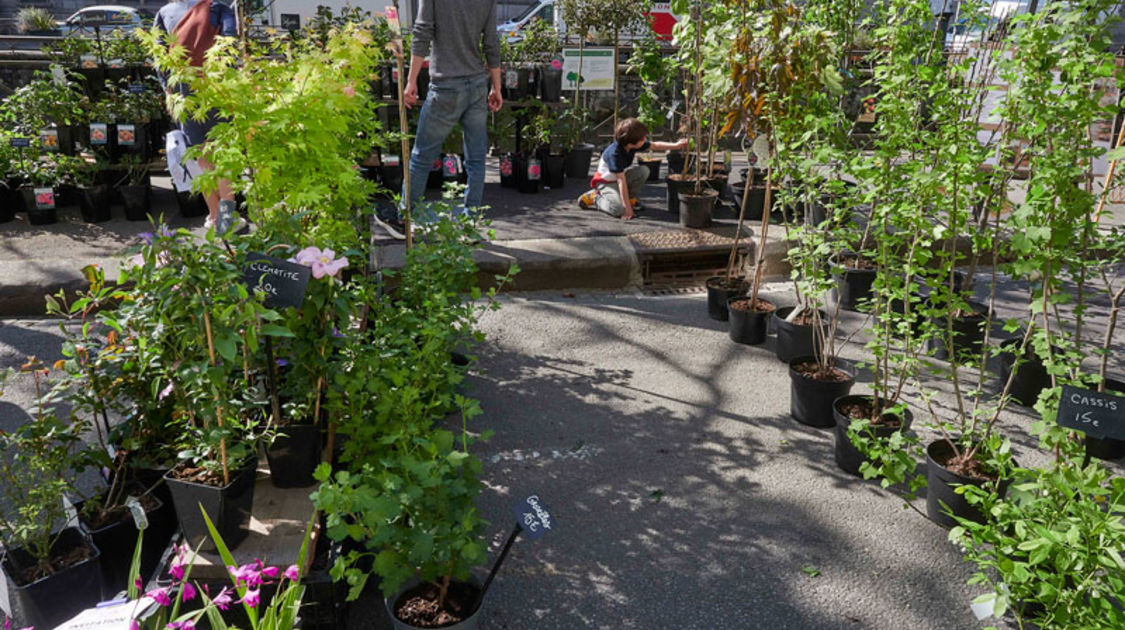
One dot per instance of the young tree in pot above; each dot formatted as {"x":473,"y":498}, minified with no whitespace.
{"x":208,"y":328}
{"x":40,"y":179}
{"x":94,"y":197}
{"x":777,"y":62}
{"x":52,"y":573}
{"x":541,"y":131}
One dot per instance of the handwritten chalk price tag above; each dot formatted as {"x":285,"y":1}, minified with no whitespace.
{"x":534,"y":517}
{"x":136,"y":88}
{"x":1095,"y":414}
{"x":19,"y":143}
{"x":283,"y":282}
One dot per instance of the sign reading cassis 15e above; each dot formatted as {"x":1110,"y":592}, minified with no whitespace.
{"x":283,"y":282}
{"x":1095,"y":414}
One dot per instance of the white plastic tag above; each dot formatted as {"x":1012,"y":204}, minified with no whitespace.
{"x":140,"y":519}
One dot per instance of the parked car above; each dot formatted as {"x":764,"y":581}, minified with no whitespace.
{"x":106,"y":17}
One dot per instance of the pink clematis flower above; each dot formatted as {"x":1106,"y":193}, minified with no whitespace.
{"x":293,"y":573}
{"x":323,"y":262}
{"x":252,"y":598}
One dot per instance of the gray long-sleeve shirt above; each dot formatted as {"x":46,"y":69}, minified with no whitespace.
{"x":454,"y":34}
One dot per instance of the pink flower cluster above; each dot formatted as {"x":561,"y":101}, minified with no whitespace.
{"x":323,"y":262}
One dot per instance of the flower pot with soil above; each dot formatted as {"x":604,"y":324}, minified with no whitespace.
{"x":696,"y":208}
{"x":652,"y":161}
{"x":854,"y":276}
{"x":578,"y":161}
{"x":550,"y":82}
{"x":1030,"y":376}
{"x":228,"y":505}
{"x":530,"y":176}
{"x":40,"y":203}
{"x":861,"y":407}
{"x":191,"y":204}
{"x":94,"y":203}
{"x":749,"y":319}
{"x":1107,"y":448}
{"x":137,"y":199}
{"x":677,"y":185}
{"x":815,"y":387}
{"x":944,"y":472}
{"x":966,"y":334}
{"x":720,"y":290}
{"x":554,"y":170}
{"x":797,"y":338}
{"x":509,"y":162}
{"x":436,"y":177}
{"x":11,"y":200}
{"x":293,"y":455}
{"x":115,"y":536}
{"x":417,"y":606}
{"x":74,"y":584}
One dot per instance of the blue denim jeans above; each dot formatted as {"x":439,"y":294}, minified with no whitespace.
{"x":451,"y":101}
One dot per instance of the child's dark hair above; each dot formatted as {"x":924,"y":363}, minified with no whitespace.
{"x":629,"y":131}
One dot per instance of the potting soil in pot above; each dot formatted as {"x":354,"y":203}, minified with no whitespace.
{"x":811,"y":369}
{"x":746,"y":305}
{"x":419,"y":605}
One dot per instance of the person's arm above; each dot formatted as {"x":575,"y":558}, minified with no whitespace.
{"x":626,"y":201}
{"x":491,"y":44}
{"x":670,"y":146}
{"x":420,"y":47}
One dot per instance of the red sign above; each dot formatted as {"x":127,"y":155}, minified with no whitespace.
{"x":663,"y":20}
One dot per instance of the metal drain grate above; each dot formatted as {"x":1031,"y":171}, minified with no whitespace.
{"x":673,"y":291}
{"x":671,"y":260}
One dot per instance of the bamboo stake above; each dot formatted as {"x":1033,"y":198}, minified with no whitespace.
{"x":1109,"y":177}
{"x":404,"y":159}
{"x":218,"y":397}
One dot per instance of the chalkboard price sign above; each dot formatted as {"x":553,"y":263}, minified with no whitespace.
{"x":284,"y":282}
{"x":1095,"y":414}
{"x":136,"y":88}
{"x":534,"y":517}
{"x":19,"y":143}
{"x":290,"y":21}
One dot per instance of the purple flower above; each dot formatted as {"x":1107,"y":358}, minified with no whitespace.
{"x":323,"y":262}
{"x":252,"y":598}
{"x":247,"y":574}
{"x":134,"y":625}
{"x":179,"y":567}
{"x":181,"y":625}
{"x":160,"y":596}
{"x":188,"y":593}
{"x":137,"y":583}
{"x":336,"y":333}
{"x":166,"y":231}
{"x":147,"y":237}
{"x":270,"y":573}
{"x":164,"y":394}
{"x":282,"y":362}
{"x":293,"y":573}
{"x":223,"y":599}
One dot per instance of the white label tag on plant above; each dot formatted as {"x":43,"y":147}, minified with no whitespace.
{"x":140,"y":519}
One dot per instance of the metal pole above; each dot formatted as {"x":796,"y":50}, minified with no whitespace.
{"x":496,"y":567}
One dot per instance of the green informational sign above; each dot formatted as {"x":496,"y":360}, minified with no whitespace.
{"x":597,"y":69}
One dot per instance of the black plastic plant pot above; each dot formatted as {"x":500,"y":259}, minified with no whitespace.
{"x":1030,"y":377}
{"x":1107,"y":448}
{"x":554,"y":171}
{"x":118,"y":540}
{"x":811,"y":398}
{"x":508,"y":177}
{"x":294,"y":455}
{"x":191,"y":204}
{"x":653,"y":165}
{"x":514,"y":83}
{"x":49,"y":601}
{"x":390,"y":176}
{"x":228,"y":507}
{"x":942,"y":502}
{"x":756,"y":203}
{"x":452,"y":167}
{"x":137,"y":199}
{"x":793,"y":339}
{"x":853,"y":286}
{"x":847,"y":456}
{"x":550,"y":84}
{"x":967,"y":335}
{"x":94,"y":203}
{"x":695,"y":210}
{"x":471,"y":589}
{"x":675,"y":162}
{"x":35,"y":214}
{"x":530,"y":175}
{"x":747,"y":326}
{"x":578,"y":161}
{"x":719,"y":292}
{"x":11,"y":202}
{"x":436,"y":177}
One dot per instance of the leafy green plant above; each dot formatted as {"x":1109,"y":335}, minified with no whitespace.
{"x":42,"y":101}
{"x":38,"y":459}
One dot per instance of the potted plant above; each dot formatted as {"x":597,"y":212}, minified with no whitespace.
{"x":11,"y":201}
{"x":40,"y":179}
{"x":52,"y":573}
{"x":35,"y":21}
{"x":580,"y":18}
{"x":49,"y":109}
{"x":541,"y":130}
{"x":94,"y":197}
{"x":136,"y":188}
{"x":207,"y":328}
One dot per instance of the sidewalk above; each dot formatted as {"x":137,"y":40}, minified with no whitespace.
{"x":555,"y":243}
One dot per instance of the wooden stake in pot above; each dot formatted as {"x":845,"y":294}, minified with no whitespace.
{"x":402,"y":126}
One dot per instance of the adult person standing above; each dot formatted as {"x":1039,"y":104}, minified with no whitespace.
{"x":194,"y":24}
{"x":460,"y":38}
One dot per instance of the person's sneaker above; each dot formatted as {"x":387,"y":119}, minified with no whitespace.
{"x":637,"y":205}
{"x":586,"y":201}
{"x":208,"y":224}
{"x":395,"y":228}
